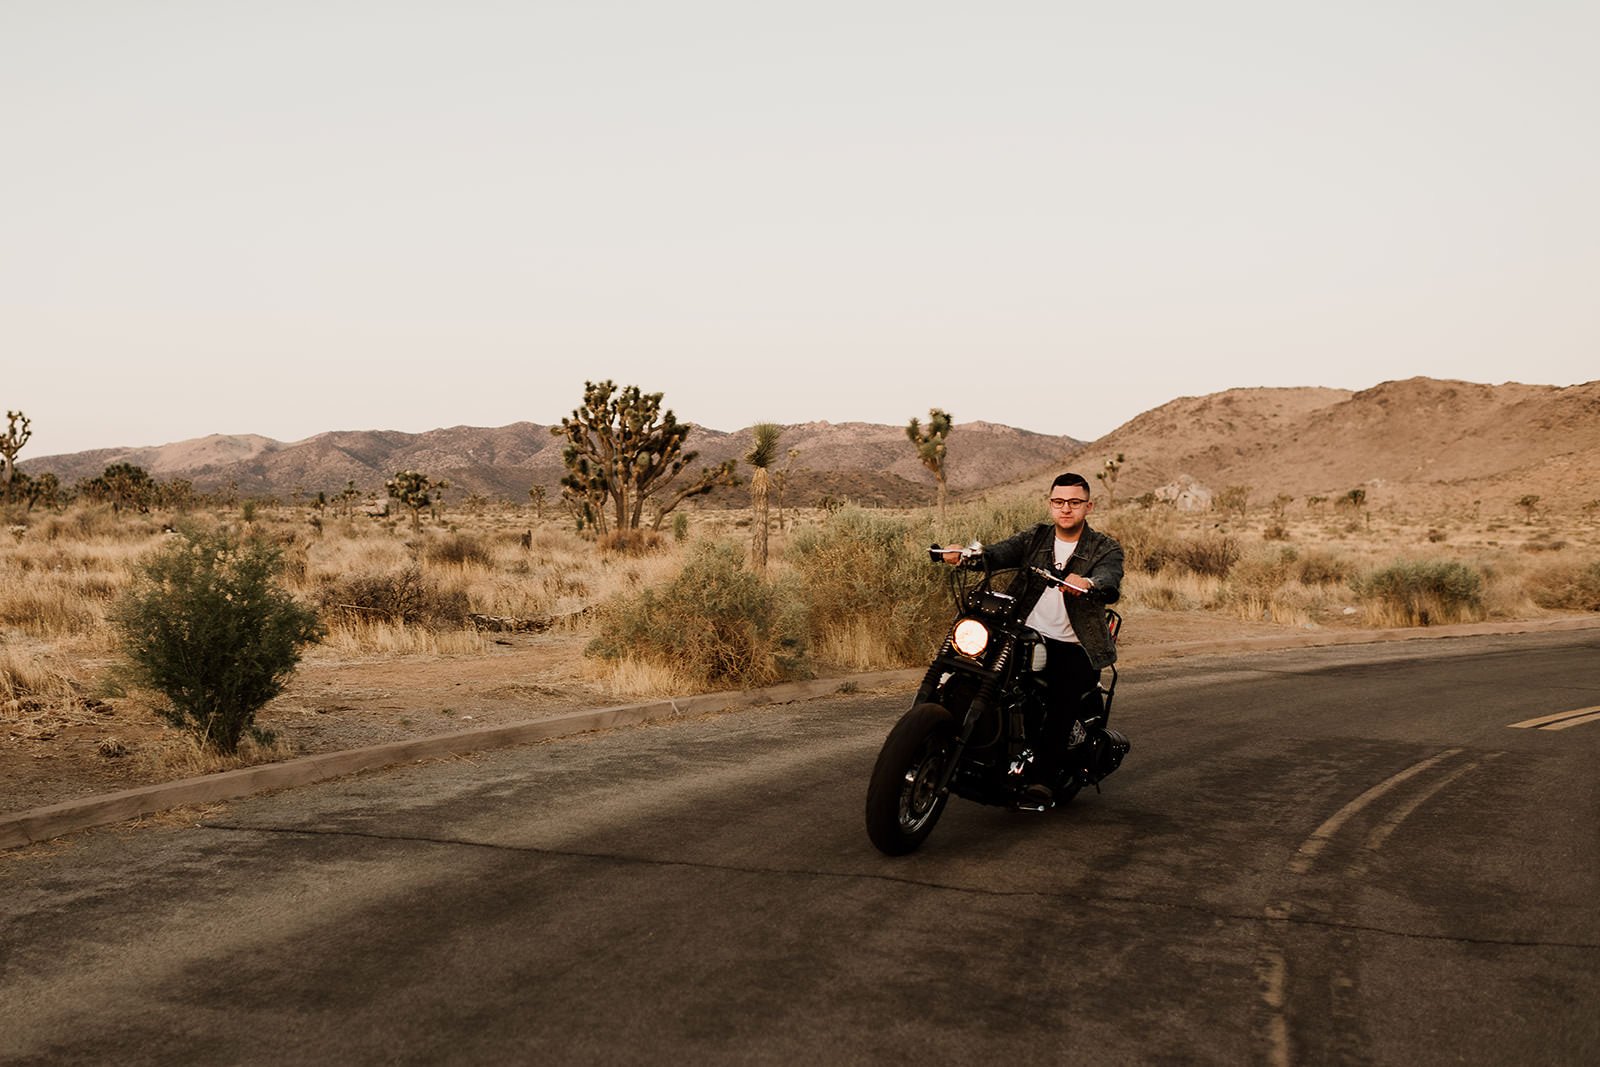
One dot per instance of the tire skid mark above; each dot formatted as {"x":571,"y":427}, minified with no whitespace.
{"x":1272,"y":961}
{"x":1389,"y":825}
{"x":1313,"y":845}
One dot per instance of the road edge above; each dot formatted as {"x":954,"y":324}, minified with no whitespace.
{"x":83,"y":813}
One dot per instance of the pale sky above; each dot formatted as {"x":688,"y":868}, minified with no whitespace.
{"x":289,"y":217}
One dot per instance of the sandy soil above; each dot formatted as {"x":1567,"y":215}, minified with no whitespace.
{"x":335,"y":705}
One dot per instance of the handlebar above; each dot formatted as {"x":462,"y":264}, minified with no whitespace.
{"x":972,"y":551}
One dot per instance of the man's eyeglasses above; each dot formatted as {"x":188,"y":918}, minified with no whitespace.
{"x":1062,"y":505}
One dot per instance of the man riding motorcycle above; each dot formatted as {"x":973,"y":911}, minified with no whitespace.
{"x":1072,"y":621}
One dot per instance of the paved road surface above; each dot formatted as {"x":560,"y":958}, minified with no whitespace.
{"x":1327,"y":856}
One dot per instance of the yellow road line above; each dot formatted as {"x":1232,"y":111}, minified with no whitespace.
{"x":1579,"y":721}
{"x":1529,"y":724}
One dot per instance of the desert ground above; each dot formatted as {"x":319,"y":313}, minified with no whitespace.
{"x":503,"y":605}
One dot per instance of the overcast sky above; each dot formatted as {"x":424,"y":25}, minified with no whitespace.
{"x":289,"y":217}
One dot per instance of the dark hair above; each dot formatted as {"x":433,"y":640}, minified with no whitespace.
{"x":1071,"y":479}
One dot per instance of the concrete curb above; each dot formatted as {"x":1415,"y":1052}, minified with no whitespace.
{"x":41,"y":824}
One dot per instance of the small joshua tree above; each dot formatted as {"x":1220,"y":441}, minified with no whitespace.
{"x":206,"y":624}
{"x":18,"y":430}
{"x":1234,"y":500}
{"x":1108,"y":477}
{"x":780,"y":481}
{"x":932,"y":449}
{"x":537,"y":495}
{"x":1529,"y":505}
{"x":411,"y":489}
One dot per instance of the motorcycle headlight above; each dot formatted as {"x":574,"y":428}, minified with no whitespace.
{"x":970,"y":637}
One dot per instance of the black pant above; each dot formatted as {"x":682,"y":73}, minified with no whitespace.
{"x":1068,"y":673}
{"x":1073,"y":687}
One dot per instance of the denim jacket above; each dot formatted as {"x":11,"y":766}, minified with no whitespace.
{"x":1098,"y":557}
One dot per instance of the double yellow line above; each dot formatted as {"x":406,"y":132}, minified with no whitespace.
{"x":1559,"y":721}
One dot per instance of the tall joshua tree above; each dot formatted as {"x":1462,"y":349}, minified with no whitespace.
{"x":931,"y":448}
{"x":17,"y":433}
{"x":623,"y":448}
{"x":763,"y":453}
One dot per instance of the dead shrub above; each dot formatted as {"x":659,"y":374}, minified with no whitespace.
{"x":1567,"y":587}
{"x":1212,"y":556}
{"x":630,"y":542}
{"x":459,"y":550}
{"x":1322,"y":568}
{"x":408,"y":596}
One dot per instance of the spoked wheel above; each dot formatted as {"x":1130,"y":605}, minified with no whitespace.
{"x":903,"y":801}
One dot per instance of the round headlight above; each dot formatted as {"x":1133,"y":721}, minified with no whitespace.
{"x":971,"y":637}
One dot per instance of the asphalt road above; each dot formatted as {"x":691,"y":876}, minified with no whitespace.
{"x":1342,"y":855}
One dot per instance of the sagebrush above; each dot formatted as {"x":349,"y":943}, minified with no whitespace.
{"x":207,"y":625}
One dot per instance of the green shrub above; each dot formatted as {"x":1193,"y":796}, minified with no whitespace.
{"x":405,"y":596}
{"x":1420,"y":592}
{"x":865,"y":571}
{"x":716,"y":621}
{"x":206,"y":624}
{"x":1571,"y":587}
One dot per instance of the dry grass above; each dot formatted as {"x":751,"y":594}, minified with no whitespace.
{"x":178,"y":754}
{"x":632,"y":677}
{"x":39,"y":693}
{"x":61,"y":574}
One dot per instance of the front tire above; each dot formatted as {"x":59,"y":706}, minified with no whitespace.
{"x":903,"y":802}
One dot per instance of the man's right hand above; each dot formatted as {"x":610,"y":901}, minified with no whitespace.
{"x":952,"y":554}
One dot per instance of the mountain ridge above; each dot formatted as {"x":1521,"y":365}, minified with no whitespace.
{"x":1414,"y":443}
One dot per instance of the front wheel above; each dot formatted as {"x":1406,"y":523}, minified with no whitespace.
{"x":903,"y":801}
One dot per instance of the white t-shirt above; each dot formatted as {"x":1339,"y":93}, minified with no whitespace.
{"x":1049,"y":615}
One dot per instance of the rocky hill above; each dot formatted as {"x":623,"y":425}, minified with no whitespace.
{"x":864,"y":462}
{"x":1417,"y":444}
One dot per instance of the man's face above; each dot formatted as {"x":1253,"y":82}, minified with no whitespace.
{"x":1069,"y":508}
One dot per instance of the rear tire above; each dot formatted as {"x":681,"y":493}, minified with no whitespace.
{"x":903,"y":803}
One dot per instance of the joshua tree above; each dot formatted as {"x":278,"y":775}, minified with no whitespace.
{"x":1233,"y":499}
{"x":1529,"y":505}
{"x":931,"y":447}
{"x":780,"y":479}
{"x":127,"y":486}
{"x":18,"y":430}
{"x":411,"y":489}
{"x":623,"y":448}
{"x":537,"y":495}
{"x":763,"y":451}
{"x":1108,"y":478}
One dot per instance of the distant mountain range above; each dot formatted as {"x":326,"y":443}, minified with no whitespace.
{"x":863,"y":462}
{"x":1418,"y":444}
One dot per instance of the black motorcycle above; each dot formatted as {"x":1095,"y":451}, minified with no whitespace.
{"x":976,"y":725}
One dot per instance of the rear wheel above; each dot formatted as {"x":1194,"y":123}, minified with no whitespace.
{"x":903,"y":802}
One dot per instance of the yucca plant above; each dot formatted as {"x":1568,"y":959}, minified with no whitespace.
{"x":762,"y":455}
